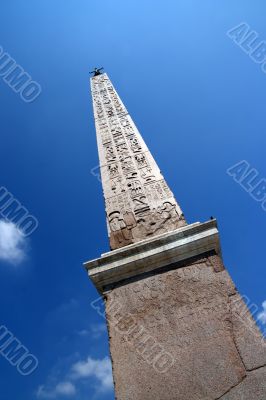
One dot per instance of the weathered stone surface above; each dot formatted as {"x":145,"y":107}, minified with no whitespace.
{"x":155,"y":253}
{"x":139,"y":203}
{"x":217,"y":264}
{"x":253,"y":387}
{"x":248,"y":338}
{"x":171,"y":335}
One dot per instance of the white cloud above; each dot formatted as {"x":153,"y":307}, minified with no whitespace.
{"x":66,"y":384}
{"x":12,"y":243}
{"x":61,"y":389}
{"x":83,"y":332}
{"x":99,"y":369}
{"x":65,"y":388}
{"x":96,"y":331}
{"x":262,"y":314}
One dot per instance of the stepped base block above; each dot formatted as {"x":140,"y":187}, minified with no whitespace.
{"x":178,"y":328}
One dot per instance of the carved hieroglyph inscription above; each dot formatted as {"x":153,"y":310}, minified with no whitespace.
{"x":139,"y":203}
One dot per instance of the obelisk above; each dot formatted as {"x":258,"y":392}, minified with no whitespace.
{"x":139,"y":204}
{"x":178,"y":328}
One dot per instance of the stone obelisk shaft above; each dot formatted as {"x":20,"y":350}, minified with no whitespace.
{"x":139,"y":203}
{"x":178,"y":328}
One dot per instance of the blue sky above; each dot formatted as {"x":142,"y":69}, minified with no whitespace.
{"x":199,"y":102}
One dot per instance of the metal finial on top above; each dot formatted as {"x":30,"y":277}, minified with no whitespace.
{"x":96,"y":71}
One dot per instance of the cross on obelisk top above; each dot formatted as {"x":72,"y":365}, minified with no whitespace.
{"x":97,"y":71}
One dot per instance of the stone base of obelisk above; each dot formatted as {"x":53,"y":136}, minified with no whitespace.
{"x":178,"y":328}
